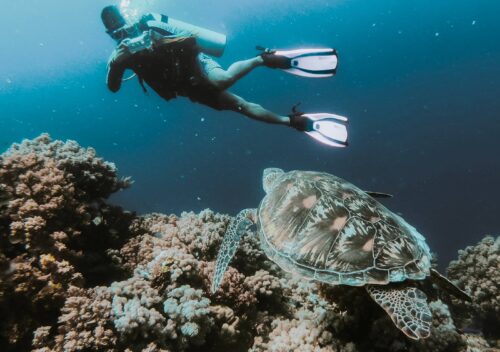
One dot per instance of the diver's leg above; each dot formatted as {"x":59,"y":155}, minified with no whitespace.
{"x":223,"y":79}
{"x":230,"y":101}
{"x":241,"y":68}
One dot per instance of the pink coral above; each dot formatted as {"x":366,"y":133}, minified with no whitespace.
{"x":85,"y":322}
{"x":228,"y":324}
{"x":233,"y":290}
{"x":265,"y":284}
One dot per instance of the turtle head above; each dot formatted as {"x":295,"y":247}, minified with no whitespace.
{"x":269,"y":178}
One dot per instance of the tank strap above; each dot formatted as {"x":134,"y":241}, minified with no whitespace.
{"x":169,"y":41}
{"x":141,"y":82}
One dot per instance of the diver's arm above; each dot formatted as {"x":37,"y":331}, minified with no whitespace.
{"x":116,"y":69}
{"x":114,"y":78}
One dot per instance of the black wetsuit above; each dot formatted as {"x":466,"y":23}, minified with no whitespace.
{"x":172,"y":69}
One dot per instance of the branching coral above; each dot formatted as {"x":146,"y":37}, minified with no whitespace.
{"x":477,"y":270}
{"x":308,"y":331}
{"x":135,"y":313}
{"x":92,"y":177}
{"x":52,"y":197}
{"x":227,"y":324}
{"x":55,"y":230}
{"x":202,"y":232}
{"x":171,"y":268}
{"x":86,"y":321}
{"x":188,"y":315}
{"x":265,"y":284}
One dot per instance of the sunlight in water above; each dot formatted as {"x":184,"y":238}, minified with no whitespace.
{"x":132,"y":9}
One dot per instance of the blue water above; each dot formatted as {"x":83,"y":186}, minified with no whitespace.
{"x":420,"y":82}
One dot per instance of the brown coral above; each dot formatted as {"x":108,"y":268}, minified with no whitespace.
{"x":477,"y":270}
{"x":50,"y":191}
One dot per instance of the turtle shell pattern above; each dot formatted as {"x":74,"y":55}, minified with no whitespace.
{"x":324,"y":228}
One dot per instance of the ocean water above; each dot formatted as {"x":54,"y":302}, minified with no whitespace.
{"x":419,"y":81}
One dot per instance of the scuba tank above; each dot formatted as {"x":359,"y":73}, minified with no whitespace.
{"x":209,"y":42}
{"x":141,"y":35}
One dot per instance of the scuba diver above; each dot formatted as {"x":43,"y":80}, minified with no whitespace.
{"x":172,"y":57}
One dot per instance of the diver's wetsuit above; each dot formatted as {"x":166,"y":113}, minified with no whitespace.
{"x":180,"y":69}
{"x":176,"y":68}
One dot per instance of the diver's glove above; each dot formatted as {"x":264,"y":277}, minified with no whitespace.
{"x":274,"y":61}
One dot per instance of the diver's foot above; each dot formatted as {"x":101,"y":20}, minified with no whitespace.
{"x":300,"y":122}
{"x":275,"y":61}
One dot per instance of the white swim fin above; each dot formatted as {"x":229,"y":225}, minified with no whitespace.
{"x":313,"y":63}
{"x":329,"y":129}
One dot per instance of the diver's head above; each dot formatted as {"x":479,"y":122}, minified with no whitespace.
{"x":112,"y":19}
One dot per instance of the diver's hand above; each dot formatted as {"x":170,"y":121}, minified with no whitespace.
{"x":122,"y":54}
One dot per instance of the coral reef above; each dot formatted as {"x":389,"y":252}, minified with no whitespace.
{"x":90,"y":309}
{"x":55,"y":230}
{"x":87,"y":276}
{"x":477,"y":271}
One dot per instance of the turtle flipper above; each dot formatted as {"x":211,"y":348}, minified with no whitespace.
{"x":237,"y":228}
{"x":378,"y":194}
{"x":407,"y":307}
{"x":446,"y":285}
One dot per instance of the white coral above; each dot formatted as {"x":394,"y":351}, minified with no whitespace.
{"x":134,"y":308}
{"x":174,"y":262}
{"x":307,"y":332}
{"x":188,"y":311}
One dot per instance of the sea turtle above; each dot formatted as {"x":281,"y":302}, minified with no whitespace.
{"x":324,"y":228}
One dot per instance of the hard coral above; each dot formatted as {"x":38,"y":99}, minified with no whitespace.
{"x":51,"y":194}
{"x":136,"y":308}
{"x":188,"y":316}
{"x":202,"y":232}
{"x":86,"y":321}
{"x":477,"y":271}
{"x":307,"y":331}
{"x":92,"y":176}
{"x":171,"y":268}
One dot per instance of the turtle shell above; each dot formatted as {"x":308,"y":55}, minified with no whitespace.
{"x":324,"y":228}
